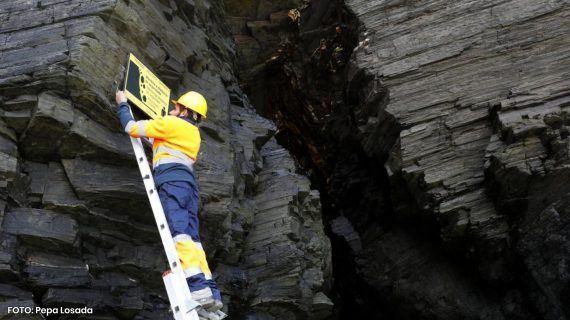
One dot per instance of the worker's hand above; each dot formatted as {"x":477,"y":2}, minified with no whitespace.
{"x":120,"y":97}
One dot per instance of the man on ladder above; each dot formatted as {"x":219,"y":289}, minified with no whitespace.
{"x":175,"y":142}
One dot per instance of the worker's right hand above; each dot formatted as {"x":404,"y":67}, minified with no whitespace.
{"x":120,"y":97}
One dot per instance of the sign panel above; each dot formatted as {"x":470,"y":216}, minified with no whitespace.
{"x":145,"y":90}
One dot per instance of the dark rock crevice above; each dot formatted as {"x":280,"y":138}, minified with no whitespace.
{"x":411,"y":209}
{"x":331,"y":116}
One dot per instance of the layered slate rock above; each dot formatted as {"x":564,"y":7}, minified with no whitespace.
{"x":437,"y":133}
{"x":528,"y":175}
{"x":8,"y":262}
{"x":9,"y":163}
{"x":58,"y":192}
{"x":52,"y":118}
{"x":18,"y":111}
{"x":109,"y":186}
{"x":455,"y":77}
{"x":38,"y":174}
{"x":46,"y":270}
{"x":78,"y":298}
{"x":42,"y":228}
{"x":260,"y":29}
{"x":234,"y":219}
{"x":284,"y":253}
{"x":455,"y":80}
{"x":88,"y":139}
{"x":67,"y":158}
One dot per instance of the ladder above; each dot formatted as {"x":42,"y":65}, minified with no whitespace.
{"x":181,"y":303}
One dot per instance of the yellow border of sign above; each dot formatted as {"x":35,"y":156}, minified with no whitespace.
{"x":153,"y":111}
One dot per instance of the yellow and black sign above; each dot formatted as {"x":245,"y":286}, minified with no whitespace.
{"x":145,"y":90}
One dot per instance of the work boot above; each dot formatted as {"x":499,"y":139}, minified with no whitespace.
{"x":204,"y":297}
{"x":206,"y":315}
{"x":218,"y":305}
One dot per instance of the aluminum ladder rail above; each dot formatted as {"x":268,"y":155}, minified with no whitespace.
{"x":183,"y":307}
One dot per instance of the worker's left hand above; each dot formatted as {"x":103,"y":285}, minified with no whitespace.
{"x":120,"y":97}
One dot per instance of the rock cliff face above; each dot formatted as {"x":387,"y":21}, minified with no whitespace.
{"x":480,"y":91}
{"x":76,"y":227}
{"x":437,"y":133}
{"x":434,"y":135}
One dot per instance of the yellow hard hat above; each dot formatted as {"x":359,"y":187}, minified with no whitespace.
{"x":193,"y":101}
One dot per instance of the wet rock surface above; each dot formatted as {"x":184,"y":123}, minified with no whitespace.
{"x":76,"y":227}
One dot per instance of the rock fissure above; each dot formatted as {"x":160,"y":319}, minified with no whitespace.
{"x":456,"y":168}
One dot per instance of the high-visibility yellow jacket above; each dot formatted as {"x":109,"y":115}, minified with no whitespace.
{"x":175,"y":145}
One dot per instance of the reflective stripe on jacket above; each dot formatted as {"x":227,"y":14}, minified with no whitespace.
{"x":176,"y":140}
